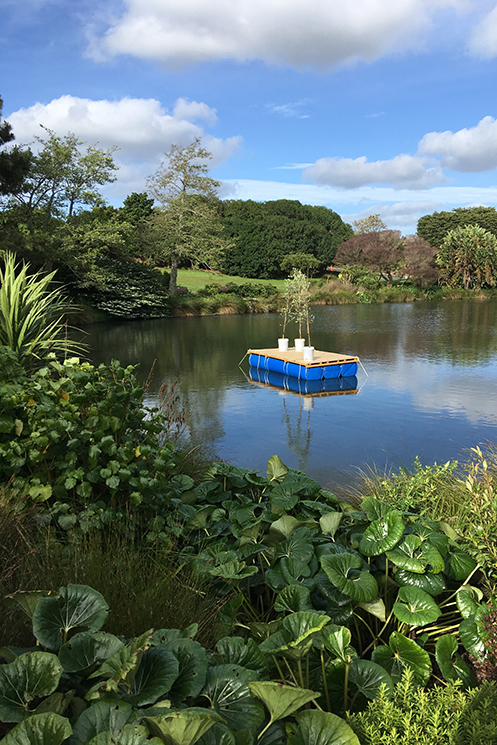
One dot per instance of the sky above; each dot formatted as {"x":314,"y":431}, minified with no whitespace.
{"x":364,"y":106}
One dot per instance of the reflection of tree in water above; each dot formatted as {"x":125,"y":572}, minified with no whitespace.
{"x":299,"y":429}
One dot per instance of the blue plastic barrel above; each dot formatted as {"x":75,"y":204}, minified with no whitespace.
{"x":332,"y":371}
{"x":348,"y":369}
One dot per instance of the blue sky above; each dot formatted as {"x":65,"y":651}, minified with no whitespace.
{"x":364,"y":106}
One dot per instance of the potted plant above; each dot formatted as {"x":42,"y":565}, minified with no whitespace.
{"x":298,"y":291}
{"x":283,"y":341}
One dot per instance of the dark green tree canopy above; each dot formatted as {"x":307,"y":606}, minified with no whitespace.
{"x":14,"y":161}
{"x":433,"y":228}
{"x":137,"y":207}
{"x":264,"y":233}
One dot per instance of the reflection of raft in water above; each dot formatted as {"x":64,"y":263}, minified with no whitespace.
{"x":324,"y":366}
{"x":323,"y":387}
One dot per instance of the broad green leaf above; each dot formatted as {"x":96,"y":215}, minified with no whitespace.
{"x":374,"y":508}
{"x":329,"y":598}
{"x":298,"y":547}
{"x":405,"y":554}
{"x":40,"y":729}
{"x":450,"y":662}
{"x":192,"y":660}
{"x":459,"y":565}
{"x":431,"y":557}
{"x":25,"y":600}
{"x":281,"y":700}
{"x":237,"y":651}
{"x":200,"y":518}
{"x":284,"y":495}
{"x":118,"y":667}
{"x":293,"y":598}
{"x":226,"y":688}
{"x":342,"y":571}
{"x":157,"y":671}
{"x":85,"y":649}
{"x":337,"y":640}
{"x":320,"y":728}
{"x":468,"y":600}
{"x":376,"y":608}
{"x":365,"y":679}
{"x":471,"y":636}
{"x":382,"y":535}
{"x":102,"y":716}
{"x":284,"y":527}
{"x":184,"y":727}
{"x":433,"y":584}
{"x":31,"y":676}
{"x":75,"y":608}
{"x":295,"y":636}
{"x":131,"y":734}
{"x":329,"y":523}
{"x":276,"y":469}
{"x":400,"y":653}
{"x":415,"y":607}
{"x":218,"y":734}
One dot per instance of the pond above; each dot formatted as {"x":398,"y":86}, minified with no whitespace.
{"x":427,"y":388}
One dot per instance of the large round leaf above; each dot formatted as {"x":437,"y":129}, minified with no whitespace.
{"x":472,"y":638}
{"x":293,"y":598}
{"x":382,"y":534}
{"x":468,"y":600}
{"x":182,"y":727}
{"x":157,"y":671}
{"x":459,"y":565}
{"x":342,"y":571}
{"x":450,"y":662}
{"x":404,"y":555}
{"x":131,"y":734}
{"x":433,"y":584}
{"x":327,"y":597}
{"x":227,"y":690}
{"x":400,"y":653}
{"x":236,"y":651}
{"x":415,"y":607}
{"x":102,"y":716}
{"x":365,"y":679}
{"x":75,"y":608}
{"x":297,"y":546}
{"x":375,"y":508}
{"x":40,"y":729}
{"x":31,"y":676}
{"x":192,"y":660}
{"x":320,"y":728}
{"x":218,"y":734}
{"x":296,"y":635}
{"x":281,"y":700}
{"x":85,"y":650}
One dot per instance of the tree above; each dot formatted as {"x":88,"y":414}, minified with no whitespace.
{"x":435,"y":227}
{"x":305,"y":262}
{"x":378,"y":251}
{"x":419,"y":260}
{"x":61,"y":178}
{"x":369,"y":224}
{"x":187,"y":224}
{"x":14,"y":161}
{"x":263,"y":233}
{"x":137,"y":208}
{"x":468,"y":256}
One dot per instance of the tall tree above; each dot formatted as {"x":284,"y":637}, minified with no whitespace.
{"x":187,"y":224}
{"x":468,"y":257}
{"x":62,"y":178}
{"x":14,"y":161}
{"x":433,"y":228}
{"x":369,"y":224}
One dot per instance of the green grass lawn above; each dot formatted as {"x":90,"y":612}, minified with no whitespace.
{"x":196,"y":279}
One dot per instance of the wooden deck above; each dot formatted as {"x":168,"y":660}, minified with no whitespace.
{"x":321,"y":359}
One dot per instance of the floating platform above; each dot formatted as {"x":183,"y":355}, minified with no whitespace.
{"x":325,"y":365}
{"x":337,"y":386}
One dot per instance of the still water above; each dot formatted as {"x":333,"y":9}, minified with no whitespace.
{"x":429,"y":386}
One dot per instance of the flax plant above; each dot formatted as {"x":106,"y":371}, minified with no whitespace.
{"x":32,"y":314}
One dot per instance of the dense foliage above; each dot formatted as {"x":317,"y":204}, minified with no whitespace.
{"x":435,"y":227}
{"x":263,"y":233}
{"x":468,"y":257}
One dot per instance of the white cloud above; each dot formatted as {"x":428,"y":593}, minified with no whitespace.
{"x":291,"y":110}
{"x":401,"y":215}
{"x":299,"y":33}
{"x":483,"y":40}
{"x":404,"y":171}
{"x":469,"y":150}
{"x":141,"y":129}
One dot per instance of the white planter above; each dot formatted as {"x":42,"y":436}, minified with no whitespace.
{"x":308,"y":353}
{"x":283,"y":344}
{"x":299,"y":345}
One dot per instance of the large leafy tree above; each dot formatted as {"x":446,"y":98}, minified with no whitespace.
{"x":468,"y":257}
{"x":14,"y":161}
{"x":186,"y":227}
{"x":62,"y":179}
{"x":433,"y":228}
{"x":377,"y":251}
{"x":369,"y":224}
{"x":264,"y":233}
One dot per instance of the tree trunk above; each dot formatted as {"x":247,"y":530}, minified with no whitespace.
{"x":173,"y":275}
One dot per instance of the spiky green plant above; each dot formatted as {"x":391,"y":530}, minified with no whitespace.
{"x":32,"y":313}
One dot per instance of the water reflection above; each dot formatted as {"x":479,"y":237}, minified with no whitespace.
{"x":432,"y":387}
